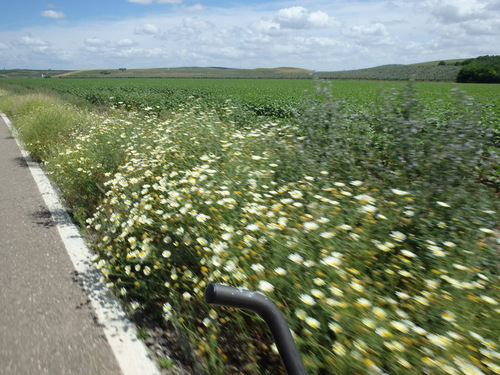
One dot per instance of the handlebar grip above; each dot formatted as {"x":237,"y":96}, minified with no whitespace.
{"x":225,"y":295}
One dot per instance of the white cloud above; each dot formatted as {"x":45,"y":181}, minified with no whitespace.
{"x":30,"y":41}
{"x":94,"y":42}
{"x":293,"y":19}
{"x":452,"y":11}
{"x":375,"y":30}
{"x":267,"y":26}
{"x":147,"y":29}
{"x":195,"y":8}
{"x":462,"y":24}
{"x":483,"y":28}
{"x":197,"y":24}
{"x":125,"y":43}
{"x":52,"y":14}
{"x":298,"y":17}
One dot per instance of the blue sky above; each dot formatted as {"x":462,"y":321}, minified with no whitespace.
{"x":312,"y":34}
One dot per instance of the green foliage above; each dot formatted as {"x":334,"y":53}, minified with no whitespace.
{"x":42,"y":121}
{"x":367,"y":274}
{"x":165,"y":363}
{"x":483,"y":69}
{"x":363,"y":216}
{"x":142,"y":333}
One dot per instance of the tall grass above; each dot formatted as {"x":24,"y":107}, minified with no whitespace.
{"x":42,"y":121}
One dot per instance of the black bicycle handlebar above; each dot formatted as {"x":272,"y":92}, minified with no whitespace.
{"x":224,"y":295}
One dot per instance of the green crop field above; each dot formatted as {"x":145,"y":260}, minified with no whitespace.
{"x":269,"y":97}
{"x":367,"y":211}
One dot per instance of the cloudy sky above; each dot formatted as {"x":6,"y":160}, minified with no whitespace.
{"x":310,"y":34}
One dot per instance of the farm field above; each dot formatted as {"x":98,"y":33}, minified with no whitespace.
{"x":269,"y":97}
{"x":368,"y":211}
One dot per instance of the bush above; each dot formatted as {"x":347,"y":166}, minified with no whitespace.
{"x":484,"y":69}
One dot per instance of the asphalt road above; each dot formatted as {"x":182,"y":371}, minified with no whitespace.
{"x":47,"y":323}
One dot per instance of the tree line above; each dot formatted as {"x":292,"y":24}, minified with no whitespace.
{"x":482,"y":69}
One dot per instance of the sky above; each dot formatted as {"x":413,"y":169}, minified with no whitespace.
{"x":321,"y":35}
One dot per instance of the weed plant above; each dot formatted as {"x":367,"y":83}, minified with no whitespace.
{"x":375,"y":269}
{"x":42,"y":121}
{"x":377,"y":242}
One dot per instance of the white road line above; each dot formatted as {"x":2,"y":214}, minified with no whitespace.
{"x":131,"y":353}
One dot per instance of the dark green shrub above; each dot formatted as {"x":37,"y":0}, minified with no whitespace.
{"x":484,"y":69}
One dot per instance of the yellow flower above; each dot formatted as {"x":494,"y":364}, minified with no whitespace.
{"x":400,"y":326}
{"x":339,"y":349}
{"x":379,"y":312}
{"x":438,"y":340}
{"x":422,"y":300}
{"x":403,"y":362}
{"x":398,"y":236}
{"x":266,"y":286}
{"x":408,"y":254}
{"x":317,"y":293}
{"x":493,"y":367}
{"x":489,"y":300}
{"x":363,"y":302}
{"x":466,"y":367}
{"x":301,"y":314}
{"x":310,"y":225}
{"x":307,"y":299}
{"x":318,"y":281}
{"x":399,"y":192}
{"x":368,"y":322}
{"x":449,"y":316}
{"x":313,"y":323}
{"x":331,"y":261}
{"x":334,"y":327}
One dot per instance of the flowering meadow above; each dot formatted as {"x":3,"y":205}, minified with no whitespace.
{"x":375,"y":268}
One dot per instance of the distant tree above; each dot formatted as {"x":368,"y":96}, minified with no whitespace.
{"x":442,"y":63}
{"x":483,"y":69}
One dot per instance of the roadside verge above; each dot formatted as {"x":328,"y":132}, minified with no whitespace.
{"x":130,"y":353}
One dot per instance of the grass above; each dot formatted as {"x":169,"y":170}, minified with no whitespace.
{"x":368,"y":226}
{"x":166,"y":363}
{"x":142,"y":333}
{"x":41,"y":121}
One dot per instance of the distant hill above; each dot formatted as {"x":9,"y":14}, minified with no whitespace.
{"x":24,"y":73}
{"x":418,"y":72}
{"x":189,"y":72}
{"x":427,"y":71}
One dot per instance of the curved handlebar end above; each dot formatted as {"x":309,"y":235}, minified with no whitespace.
{"x":210,"y":293}
{"x":225,"y":295}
